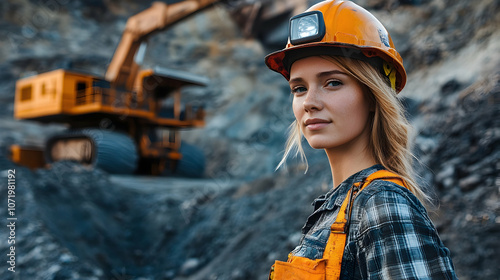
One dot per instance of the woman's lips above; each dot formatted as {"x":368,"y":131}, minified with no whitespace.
{"x":316,"y":124}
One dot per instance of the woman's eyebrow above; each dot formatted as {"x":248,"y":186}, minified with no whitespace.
{"x":319,"y":75}
{"x":328,"y":73}
{"x":296,"y":80}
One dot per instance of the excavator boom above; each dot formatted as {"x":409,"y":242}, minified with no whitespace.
{"x":123,"y":70}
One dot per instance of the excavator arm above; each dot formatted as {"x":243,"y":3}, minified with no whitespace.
{"x":253,"y":16}
{"x":123,"y":69}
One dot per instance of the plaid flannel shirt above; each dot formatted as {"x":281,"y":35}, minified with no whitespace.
{"x":390,"y":234}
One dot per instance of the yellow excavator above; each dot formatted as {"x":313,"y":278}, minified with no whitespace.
{"x":145,"y":137}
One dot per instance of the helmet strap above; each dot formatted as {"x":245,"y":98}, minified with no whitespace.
{"x":390,"y":72}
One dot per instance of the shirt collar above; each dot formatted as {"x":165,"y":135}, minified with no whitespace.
{"x":336,"y":196}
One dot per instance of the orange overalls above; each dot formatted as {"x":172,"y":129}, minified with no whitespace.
{"x":328,"y":268}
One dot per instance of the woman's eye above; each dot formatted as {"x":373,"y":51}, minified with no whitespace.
{"x":298,"y":90}
{"x":334,"y":83}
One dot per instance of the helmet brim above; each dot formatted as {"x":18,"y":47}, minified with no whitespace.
{"x":282,"y":60}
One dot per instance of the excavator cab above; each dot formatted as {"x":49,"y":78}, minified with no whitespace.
{"x":140,"y":134}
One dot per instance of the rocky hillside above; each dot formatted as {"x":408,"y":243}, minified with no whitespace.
{"x":75,"y":223}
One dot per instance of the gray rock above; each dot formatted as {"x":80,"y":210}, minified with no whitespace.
{"x":470,"y":182}
{"x":446,"y":176}
{"x":189,"y":266}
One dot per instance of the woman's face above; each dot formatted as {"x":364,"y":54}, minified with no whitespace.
{"x":330,"y":106}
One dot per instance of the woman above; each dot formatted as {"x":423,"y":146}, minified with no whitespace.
{"x":344,"y":74}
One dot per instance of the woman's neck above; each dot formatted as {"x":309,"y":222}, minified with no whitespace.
{"x":348,"y":160}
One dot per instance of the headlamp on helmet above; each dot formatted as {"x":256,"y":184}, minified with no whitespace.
{"x":339,"y":28}
{"x":307,"y":27}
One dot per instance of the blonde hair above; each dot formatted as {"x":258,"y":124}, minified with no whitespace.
{"x":389,"y":136}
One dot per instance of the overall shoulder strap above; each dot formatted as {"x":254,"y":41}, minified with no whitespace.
{"x":334,"y":250}
{"x":383,"y":175}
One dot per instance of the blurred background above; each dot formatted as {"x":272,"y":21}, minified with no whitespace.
{"x":78,"y":222}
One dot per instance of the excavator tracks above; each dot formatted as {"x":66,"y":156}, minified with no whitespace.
{"x":111,"y":151}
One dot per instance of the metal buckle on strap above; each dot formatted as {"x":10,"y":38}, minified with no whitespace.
{"x":339,"y":227}
{"x":342,"y":227}
{"x":354,"y":191}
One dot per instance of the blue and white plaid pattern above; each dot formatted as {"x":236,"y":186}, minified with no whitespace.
{"x":390,"y":235}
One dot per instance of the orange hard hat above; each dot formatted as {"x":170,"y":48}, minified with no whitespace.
{"x":340,"y":28}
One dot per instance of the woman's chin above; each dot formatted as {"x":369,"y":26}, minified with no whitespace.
{"x":317,"y":145}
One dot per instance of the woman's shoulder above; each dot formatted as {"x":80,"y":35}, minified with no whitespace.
{"x":386,"y":202}
{"x":391,"y":229}
{"x":380,"y":191}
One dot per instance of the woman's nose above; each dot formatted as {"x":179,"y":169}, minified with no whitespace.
{"x":313,"y":101}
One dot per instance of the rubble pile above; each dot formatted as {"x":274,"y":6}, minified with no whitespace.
{"x":464,"y":156}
